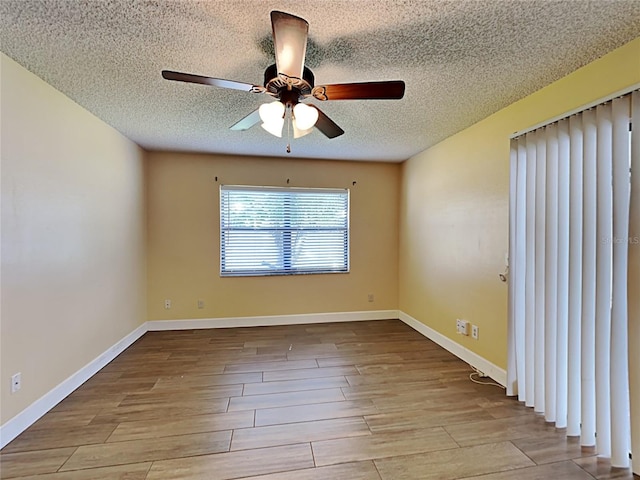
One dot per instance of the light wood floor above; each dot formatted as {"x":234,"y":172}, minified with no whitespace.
{"x":342,"y":401}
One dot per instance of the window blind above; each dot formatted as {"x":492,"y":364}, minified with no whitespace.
{"x":569,"y":319}
{"x":283,"y":231}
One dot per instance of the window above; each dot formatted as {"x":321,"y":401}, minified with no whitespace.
{"x":282,"y":231}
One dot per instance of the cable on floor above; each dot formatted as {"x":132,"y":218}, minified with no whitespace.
{"x":482,"y":375}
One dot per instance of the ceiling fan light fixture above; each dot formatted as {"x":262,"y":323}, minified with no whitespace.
{"x":270,"y":112}
{"x":305,"y":117}
{"x":272,"y":116}
{"x":274,"y":127}
{"x":297,"y":132}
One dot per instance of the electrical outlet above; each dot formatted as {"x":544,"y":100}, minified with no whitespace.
{"x":201,"y":304}
{"x":370,"y":297}
{"x":167,"y":304}
{"x":462,"y":327}
{"x":475,"y":331}
{"x":16,"y":382}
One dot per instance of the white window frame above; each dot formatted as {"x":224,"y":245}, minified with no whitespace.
{"x":244,"y":261}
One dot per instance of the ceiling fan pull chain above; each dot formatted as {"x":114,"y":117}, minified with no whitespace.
{"x":289,"y":129}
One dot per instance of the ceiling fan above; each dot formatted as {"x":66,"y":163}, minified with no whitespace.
{"x":289,"y":82}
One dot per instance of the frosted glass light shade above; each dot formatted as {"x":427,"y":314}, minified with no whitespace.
{"x":297,"y":133}
{"x":274,"y":127}
{"x":305,"y":116}
{"x":272,"y":116}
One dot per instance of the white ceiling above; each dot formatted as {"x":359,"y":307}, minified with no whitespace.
{"x":461,"y":60}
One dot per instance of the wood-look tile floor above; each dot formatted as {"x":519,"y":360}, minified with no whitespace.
{"x":342,"y":401}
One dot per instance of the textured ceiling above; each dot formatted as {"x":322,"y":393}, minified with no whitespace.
{"x":461,"y":60}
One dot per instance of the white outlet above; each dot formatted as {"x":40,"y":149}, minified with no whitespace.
{"x":475,"y":331}
{"x":200,"y":303}
{"x":370,"y":297}
{"x":462,"y":327}
{"x":16,"y":382}
{"x":167,"y":304}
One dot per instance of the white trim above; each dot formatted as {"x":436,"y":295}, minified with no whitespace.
{"x":485,"y":366}
{"x":595,"y":103}
{"x":18,"y":424}
{"x":264,"y":321}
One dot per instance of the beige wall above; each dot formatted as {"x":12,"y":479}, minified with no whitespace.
{"x":184,"y":232}
{"x":73,"y":275}
{"x":454,"y":223}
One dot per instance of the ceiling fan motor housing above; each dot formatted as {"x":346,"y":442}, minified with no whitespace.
{"x":277,"y":84}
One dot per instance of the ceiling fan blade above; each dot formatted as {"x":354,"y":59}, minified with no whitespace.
{"x":387,"y":90}
{"x":290,"y":42}
{"x":326,"y":125}
{"x":247,"y":122}
{"x":216,"y":82}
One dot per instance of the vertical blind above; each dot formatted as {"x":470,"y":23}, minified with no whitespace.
{"x":568,"y":292}
{"x":281,"y":231}
{"x":634,"y":299}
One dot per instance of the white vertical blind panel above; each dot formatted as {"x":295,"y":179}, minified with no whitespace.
{"x":530,"y":299}
{"x":541,"y":169}
{"x":588,"y":367}
{"x":551,"y":272}
{"x":562,"y":319}
{"x":512,"y":388}
{"x":603,"y":281}
{"x":575,"y":277}
{"x":619,"y":367}
{"x":520,"y":267}
{"x":633,"y":283}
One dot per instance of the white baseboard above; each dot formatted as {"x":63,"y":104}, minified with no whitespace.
{"x":14,"y":427}
{"x":18,"y":424}
{"x":263,"y":321}
{"x":464,"y":354}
